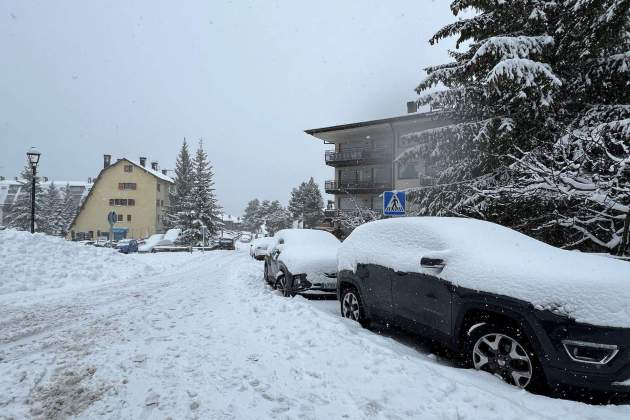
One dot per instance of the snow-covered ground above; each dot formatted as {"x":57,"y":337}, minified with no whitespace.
{"x":205,"y":338}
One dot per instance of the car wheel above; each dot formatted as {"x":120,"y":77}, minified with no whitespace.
{"x":505,"y":352}
{"x":352,"y":306}
{"x":282,"y":285}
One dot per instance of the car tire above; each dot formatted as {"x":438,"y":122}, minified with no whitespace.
{"x":352,"y":307}
{"x":266,"y":276}
{"x":504,"y":351}
{"x":282,"y":286}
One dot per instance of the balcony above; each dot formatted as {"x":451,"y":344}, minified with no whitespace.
{"x":356,"y":187}
{"x":357,"y":157}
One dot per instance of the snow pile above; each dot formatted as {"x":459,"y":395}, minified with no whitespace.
{"x":488,"y":257}
{"x":34,"y":262}
{"x":307,"y":251}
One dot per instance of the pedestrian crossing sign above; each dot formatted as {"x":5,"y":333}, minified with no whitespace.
{"x":394,"y":203}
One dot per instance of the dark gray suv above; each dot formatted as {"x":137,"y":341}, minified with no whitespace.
{"x":522,"y":310}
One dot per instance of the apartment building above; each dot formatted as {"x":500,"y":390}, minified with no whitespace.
{"x":137,"y":193}
{"x":11,"y":189}
{"x":363,"y":158}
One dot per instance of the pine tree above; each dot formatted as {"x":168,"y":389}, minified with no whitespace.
{"x":535,"y":109}
{"x":306,"y":203}
{"x":179,"y":196}
{"x":51,"y":211}
{"x":19,"y":215}
{"x":277,"y":217}
{"x":251,"y":218}
{"x":204,"y":210}
{"x":68,"y":209}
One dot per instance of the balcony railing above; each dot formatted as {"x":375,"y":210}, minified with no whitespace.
{"x":351,"y":157}
{"x":335,"y":187}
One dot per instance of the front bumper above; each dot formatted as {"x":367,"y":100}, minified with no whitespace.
{"x":314,"y":284}
{"x":562,"y":370}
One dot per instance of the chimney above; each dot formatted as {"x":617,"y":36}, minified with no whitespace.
{"x":107,"y":160}
{"x":154,"y":165}
{"x":45,"y":179}
{"x":1,"y":178}
{"x":164,"y":171}
{"x":89,"y":180}
{"x":143,"y":161}
{"x":412,"y":106}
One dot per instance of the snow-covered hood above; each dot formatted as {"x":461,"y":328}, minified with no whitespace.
{"x":310,"y":260}
{"x":487,"y":257}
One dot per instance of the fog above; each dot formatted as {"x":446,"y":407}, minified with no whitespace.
{"x":131,"y":78}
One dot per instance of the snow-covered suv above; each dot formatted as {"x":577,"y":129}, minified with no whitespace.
{"x":525,"y":311}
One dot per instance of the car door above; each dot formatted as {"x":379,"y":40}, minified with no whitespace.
{"x":422,"y":301}
{"x":376,"y":290}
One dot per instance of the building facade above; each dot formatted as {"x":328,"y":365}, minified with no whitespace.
{"x":138,"y":194}
{"x":363,"y":158}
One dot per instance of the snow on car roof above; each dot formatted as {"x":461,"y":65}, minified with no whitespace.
{"x":306,"y":237}
{"x":488,"y":257}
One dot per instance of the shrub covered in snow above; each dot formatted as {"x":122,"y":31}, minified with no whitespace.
{"x":33,"y":262}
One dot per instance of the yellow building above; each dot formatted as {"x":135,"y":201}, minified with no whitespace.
{"x":138,"y":195}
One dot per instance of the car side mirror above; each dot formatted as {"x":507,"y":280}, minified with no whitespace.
{"x":435,"y":263}
{"x":276,"y":253}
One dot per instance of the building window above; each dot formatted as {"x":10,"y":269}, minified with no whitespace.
{"x":120,"y":217}
{"x":126,"y":185}
{"x":158,"y":186}
{"x":161,"y":203}
{"x":129,"y":218}
{"x":122,"y":202}
{"x":128,"y":168}
{"x":157,"y":203}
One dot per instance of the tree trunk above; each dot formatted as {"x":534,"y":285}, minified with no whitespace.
{"x":625,"y":235}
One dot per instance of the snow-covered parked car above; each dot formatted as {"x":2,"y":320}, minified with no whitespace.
{"x":523,"y":310}
{"x":153,"y":241}
{"x":302,"y":261}
{"x":258,"y":247}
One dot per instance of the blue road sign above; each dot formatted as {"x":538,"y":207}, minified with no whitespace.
{"x":112,"y":217}
{"x":394,"y":203}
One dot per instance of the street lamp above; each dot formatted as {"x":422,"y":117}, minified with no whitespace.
{"x":33,"y":159}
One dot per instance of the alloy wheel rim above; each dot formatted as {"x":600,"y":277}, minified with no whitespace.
{"x":504,"y":357}
{"x":351,"y":306}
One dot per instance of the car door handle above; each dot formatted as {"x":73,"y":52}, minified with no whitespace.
{"x":431,"y":296}
{"x":401,"y":273}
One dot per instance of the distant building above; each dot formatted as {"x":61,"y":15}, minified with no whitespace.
{"x":231,"y":222}
{"x":364,"y":160}
{"x":137,"y":193}
{"x":10,"y":190}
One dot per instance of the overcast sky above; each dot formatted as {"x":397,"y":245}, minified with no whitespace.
{"x":130,"y":78}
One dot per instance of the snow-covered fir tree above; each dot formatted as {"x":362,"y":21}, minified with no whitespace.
{"x":536,"y":119}
{"x":251,"y":216}
{"x":19,"y":214}
{"x":307,"y":204}
{"x":179,"y":196}
{"x":69,"y":209}
{"x":51,"y":211}
{"x":204,"y":209}
{"x":276,"y":217}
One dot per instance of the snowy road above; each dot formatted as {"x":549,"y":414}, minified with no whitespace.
{"x":206,"y":339}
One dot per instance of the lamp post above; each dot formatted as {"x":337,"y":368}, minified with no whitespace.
{"x":33,"y":159}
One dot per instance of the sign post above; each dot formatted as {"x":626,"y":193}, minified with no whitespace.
{"x":394,"y":203}
{"x":112,"y":218}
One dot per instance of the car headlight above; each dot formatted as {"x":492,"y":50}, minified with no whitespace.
{"x":594,"y":353}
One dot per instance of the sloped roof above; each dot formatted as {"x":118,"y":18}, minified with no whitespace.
{"x":156,"y":174}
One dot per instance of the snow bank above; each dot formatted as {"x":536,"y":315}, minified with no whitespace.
{"x":35,"y":262}
{"x":488,"y":257}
